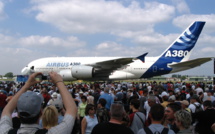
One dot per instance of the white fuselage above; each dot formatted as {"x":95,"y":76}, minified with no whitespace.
{"x":133,"y":70}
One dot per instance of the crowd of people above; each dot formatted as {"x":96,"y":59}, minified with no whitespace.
{"x":100,"y":108}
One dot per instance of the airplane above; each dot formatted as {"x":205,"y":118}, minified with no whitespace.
{"x":174,"y":59}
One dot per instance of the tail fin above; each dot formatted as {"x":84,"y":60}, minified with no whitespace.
{"x":178,"y":51}
{"x":181,"y":48}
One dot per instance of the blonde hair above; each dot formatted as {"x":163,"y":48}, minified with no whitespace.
{"x":50,"y":117}
{"x":184,"y":117}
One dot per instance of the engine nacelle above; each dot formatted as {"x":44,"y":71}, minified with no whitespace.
{"x":67,"y":75}
{"x":82,"y":72}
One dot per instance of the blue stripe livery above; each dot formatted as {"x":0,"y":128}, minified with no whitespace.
{"x":180,"y":49}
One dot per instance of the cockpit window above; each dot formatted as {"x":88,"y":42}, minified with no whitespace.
{"x":32,"y":67}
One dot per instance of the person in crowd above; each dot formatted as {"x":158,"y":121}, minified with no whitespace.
{"x":137,"y":119}
{"x":16,"y":122}
{"x":205,"y":118}
{"x":101,"y":112}
{"x":172,"y":97}
{"x":183,"y":121}
{"x":49,"y":117}
{"x":59,"y":106}
{"x":213,"y":127}
{"x":143,"y":99}
{"x":53,"y":98}
{"x":119,"y":95}
{"x":184,"y":105}
{"x":96,"y":95}
{"x":90,"y":98}
{"x":199,"y":89}
{"x":107,"y":97}
{"x":29,"y":107}
{"x":210,"y":94}
{"x":165,"y":101}
{"x":156,"y":115}
{"x":169,"y":116}
{"x":156,"y":93}
{"x":194,"y":103}
{"x":10,"y":96}
{"x":90,"y":120}
{"x":3,"y":102}
{"x":81,"y":107}
{"x":114,"y":126}
{"x":148,"y":104}
{"x":45,"y":95}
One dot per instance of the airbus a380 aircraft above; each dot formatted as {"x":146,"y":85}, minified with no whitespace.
{"x":173,"y":59}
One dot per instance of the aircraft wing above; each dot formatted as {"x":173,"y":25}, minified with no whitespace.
{"x":117,"y":63}
{"x":189,"y":64}
{"x":112,"y":64}
{"x":105,"y":68}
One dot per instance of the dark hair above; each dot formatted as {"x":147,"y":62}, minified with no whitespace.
{"x":26,"y":120}
{"x":84,"y":97}
{"x":88,"y":107}
{"x":16,"y":122}
{"x":207,"y":104}
{"x":174,"y":106}
{"x":165,"y":98}
{"x":135,"y":103}
{"x":103,"y":102}
{"x":157,"y":112}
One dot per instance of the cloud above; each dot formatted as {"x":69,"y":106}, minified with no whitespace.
{"x":14,"y":59}
{"x":184,"y":20}
{"x":36,"y":40}
{"x":2,"y":13}
{"x":208,"y":49}
{"x":51,"y":44}
{"x":181,"y":6}
{"x":93,"y":16}
{"x":6,"y":40}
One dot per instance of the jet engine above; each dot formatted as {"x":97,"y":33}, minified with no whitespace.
{"x":67,"y":75}
{"x":83,"y":72}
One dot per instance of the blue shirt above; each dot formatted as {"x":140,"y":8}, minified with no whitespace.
{"x":109,"y":100}
{"x":91,"y":122}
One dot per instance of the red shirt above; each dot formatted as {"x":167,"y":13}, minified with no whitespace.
{"x":46,"y":97}
{"x":3,"y":98}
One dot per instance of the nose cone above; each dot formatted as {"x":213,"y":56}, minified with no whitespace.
{"x":25,"y":71}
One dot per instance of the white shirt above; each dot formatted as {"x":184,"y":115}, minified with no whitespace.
{"x":192,"y":107}
{"x":198,"y":90}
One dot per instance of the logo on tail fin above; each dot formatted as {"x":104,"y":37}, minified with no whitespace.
{"x":178,"y":51}
{"x":184,"y":43}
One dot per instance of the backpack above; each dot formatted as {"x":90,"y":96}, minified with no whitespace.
{"x":39,"y":131}
{"x":148,"y":131}
{"x":198,"y":108}
{"x":103,"y":115}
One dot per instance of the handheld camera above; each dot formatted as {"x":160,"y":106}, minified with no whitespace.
{"x":42,"y":77}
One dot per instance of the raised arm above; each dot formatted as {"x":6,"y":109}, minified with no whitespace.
{"x":9,"y":108}
{"x":68,"y":101}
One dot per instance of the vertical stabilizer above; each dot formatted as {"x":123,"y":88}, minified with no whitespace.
{"x":178,"y":51}
{"x":181,"y":48}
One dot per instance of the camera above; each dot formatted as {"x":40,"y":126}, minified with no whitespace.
{"x":42,"y":77}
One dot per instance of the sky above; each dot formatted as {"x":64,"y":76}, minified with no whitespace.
{"x":32,"y":29}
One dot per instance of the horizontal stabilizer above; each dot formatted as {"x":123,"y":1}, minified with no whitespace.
{"x":190,"y":64}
